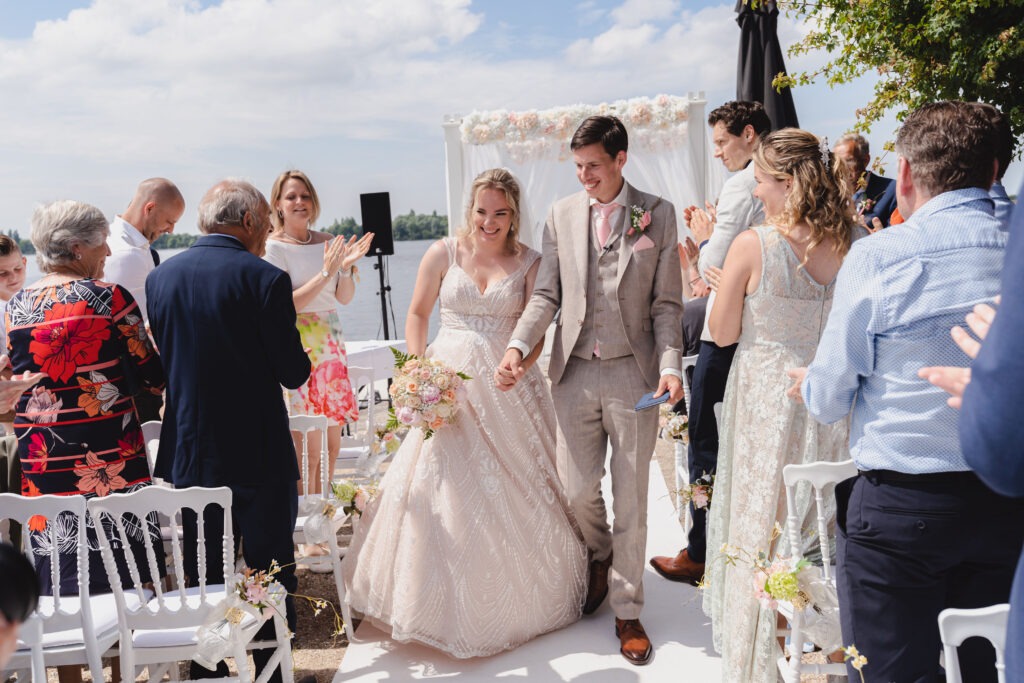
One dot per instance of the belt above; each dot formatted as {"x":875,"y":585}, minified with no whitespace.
{"x":891,"y":477}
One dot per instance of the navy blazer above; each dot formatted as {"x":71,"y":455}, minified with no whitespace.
{"x":224,"y":322}
{"x":991,"y":431}
{"x":882,"y":193}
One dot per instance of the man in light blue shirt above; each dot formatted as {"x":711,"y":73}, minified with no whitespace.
{"x":917,"y":531}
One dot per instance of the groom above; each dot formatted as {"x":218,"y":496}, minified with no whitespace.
{"x":610,"y":280}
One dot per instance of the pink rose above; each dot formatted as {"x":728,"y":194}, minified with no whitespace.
{"x":645,"y":220}
{"x":255,"y":593}
{"x":430,"y":394}
{"x":700,"y":497}
{"x":406,"y":415}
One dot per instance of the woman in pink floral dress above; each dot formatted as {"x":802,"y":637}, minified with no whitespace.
{"x":323,"y":272}
{"x":78,"y":430}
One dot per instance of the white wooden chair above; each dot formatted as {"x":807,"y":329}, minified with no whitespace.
{"x":682,"y":464}
{"x":818,"y":475}
{"x":311,"y":504}
{"x":68,"y":629}
{"x":957,"y":625}
{"x":159,"y":631}
{"x":151,"y":440}
{"x":355,"y":447}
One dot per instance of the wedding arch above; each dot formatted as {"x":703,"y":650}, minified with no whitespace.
{"x":669,"y":153}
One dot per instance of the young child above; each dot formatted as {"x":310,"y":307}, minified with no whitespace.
{"x":12,"y":278}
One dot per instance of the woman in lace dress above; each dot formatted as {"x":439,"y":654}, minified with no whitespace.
{"x":774,"y":295}
{"x":470,"y":546}
{"x":322,"y":269}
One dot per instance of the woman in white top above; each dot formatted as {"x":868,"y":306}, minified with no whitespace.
{"x":321,"y":267}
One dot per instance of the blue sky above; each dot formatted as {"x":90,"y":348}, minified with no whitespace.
{"x":99,"y":95}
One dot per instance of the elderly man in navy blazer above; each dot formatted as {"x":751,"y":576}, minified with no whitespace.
{"x":874,"y":196}
{"x":224,"y":322}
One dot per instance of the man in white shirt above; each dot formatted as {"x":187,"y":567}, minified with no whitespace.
{"x":736,"y":130}
{"x":153,"y":211}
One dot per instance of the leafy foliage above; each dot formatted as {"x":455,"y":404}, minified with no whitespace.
{"x":410,"y":226}
{"x":25,"y":245}
{"x":922,"y":51}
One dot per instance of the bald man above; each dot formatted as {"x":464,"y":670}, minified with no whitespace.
{"x":153,"y":211}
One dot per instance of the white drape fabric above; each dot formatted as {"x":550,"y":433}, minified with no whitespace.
{"x":534,"y":146}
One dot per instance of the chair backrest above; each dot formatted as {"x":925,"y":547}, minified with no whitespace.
{"x":364,"y":377}
{"x":59,"y":522}
{"x":306,"y":425}
{"x":122,"y":513}
{"x":688,"y":362}
{"x":957,"y":625}
{"x":151,"y":440}
{"x":818,"y":475}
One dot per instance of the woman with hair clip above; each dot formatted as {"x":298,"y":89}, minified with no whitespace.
{"x":774,"y":294}
{"x":470,"y":546}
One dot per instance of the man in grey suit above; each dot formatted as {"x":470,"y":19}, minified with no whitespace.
{"x":610,"y":280}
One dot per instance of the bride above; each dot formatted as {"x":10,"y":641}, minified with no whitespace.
{"x":470,"y":546}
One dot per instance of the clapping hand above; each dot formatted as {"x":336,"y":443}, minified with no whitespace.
{"x":356,"y":250}
{"x":953,"y":380}
{"x":700,"y":222}
{"x":342,"y":254}
{"x":713,"y":276}
{"x":11,"y":386}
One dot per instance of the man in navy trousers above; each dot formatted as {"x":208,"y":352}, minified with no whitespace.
{"x":224,"y":322}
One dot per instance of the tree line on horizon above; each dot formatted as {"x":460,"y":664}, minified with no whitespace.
{"x":410,"y":226}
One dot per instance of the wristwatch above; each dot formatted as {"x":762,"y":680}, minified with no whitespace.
{"x":325,"y":275}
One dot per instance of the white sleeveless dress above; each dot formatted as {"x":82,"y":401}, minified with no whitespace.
{"x":762,"y":431}
{"x":470,"y":546}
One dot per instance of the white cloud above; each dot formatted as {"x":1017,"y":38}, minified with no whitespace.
{"x":351,"y":91}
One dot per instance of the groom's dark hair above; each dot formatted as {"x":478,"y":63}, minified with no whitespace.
{"x":606,"y":130}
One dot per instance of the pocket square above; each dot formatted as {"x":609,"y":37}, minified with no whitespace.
{"x":644,"y":242}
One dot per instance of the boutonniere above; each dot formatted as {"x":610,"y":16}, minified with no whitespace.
{"x":639,"y":219}
{"x":865,"y":205}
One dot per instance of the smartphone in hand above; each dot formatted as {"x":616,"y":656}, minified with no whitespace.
{"x":648,"y":401}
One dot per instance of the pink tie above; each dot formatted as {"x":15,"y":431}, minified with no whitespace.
{"x":604,"y":226}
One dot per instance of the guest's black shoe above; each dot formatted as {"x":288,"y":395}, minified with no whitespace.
{"x":196,"y":671}
{"x":597,"y":584}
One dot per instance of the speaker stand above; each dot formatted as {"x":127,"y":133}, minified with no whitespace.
{"x":384,"y":289}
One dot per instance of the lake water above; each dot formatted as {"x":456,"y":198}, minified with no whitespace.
{"x":361,"y":319}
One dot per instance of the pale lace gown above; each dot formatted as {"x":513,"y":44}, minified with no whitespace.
{"x":762,"y":431}
{"x":470,"y":546}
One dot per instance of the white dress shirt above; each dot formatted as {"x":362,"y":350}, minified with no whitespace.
{"x":738,"y":209}
{"x":130,"y":261}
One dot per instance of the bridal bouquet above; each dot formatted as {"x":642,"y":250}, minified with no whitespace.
{"x":674,"y":426}
{"x":425,"y":393}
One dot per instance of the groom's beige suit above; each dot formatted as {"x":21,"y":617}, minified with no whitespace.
{"x":617,"y":313}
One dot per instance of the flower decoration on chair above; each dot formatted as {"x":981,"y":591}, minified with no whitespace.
{"x":385,"y":444}
{"x":353,"y":498}
{"x":252,"y":597}
{"x":639,"y":220}
{"x":856,"y":659}
{"x":674,"y":426}
{"x":698,"y":492}
{"x":426,"y":394}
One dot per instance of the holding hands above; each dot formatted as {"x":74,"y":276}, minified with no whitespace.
{"x":510,"y":370}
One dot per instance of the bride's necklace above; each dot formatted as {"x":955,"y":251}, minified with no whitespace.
{"x":309,"y":237}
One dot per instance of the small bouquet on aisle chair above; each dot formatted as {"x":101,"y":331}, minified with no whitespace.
{"x":426,"y":393}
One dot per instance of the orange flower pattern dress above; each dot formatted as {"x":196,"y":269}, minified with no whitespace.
{"x":78,"y":430}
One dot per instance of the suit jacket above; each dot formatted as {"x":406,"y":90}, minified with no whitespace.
{"x":649,"y":285}
{"x":881,"y":192}
{"x":991,"y":431}
{"x":224,"y":322}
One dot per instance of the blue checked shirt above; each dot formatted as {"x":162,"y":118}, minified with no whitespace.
{"x":896,"y":297}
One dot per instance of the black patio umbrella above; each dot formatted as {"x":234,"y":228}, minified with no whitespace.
{"x":760,"y":60}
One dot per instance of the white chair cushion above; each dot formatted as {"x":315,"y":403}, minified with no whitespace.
{"x":104,"y":618}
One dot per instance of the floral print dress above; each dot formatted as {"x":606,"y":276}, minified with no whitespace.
{"x":78,"y":430}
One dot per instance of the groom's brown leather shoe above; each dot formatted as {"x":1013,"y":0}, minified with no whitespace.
{"x":597,"y":584}
{"x":635,"y":645}
{"x":679,"y":568}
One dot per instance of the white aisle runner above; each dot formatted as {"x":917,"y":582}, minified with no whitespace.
{"x":586,"y":652}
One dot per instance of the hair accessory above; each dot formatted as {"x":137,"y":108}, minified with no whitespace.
{"x":823,"y":148}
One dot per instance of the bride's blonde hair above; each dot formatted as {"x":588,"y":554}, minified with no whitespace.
{"x":494,"y":179}
{"x":818,"y":196}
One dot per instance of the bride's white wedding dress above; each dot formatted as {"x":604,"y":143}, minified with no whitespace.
{"x":470,"y":546}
